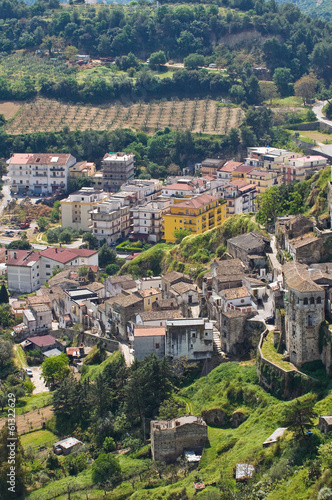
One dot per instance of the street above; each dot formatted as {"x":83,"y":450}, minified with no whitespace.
{"x":317,"y":109}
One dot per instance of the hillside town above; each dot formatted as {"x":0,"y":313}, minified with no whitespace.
{"x":267,"y":288}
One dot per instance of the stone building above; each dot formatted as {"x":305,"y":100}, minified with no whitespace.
{"x":325,"y":424}
{"x":304,"y":313}
{"x":121,"y":311}
{"x":149,"y":340}
{"x":189,"y":337}
{"x":170,"y":279}
{"x":292,"y":226}
{"x":251,"y":248}
{"x":169,"y":438}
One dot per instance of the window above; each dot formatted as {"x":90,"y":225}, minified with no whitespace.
{"x":305,"y":301}
{"x":312,"y":300}
{"x":157,"y":346}
{"x":319,"y":300}
{"x":194,"y":334}
{"x":40,"y":317}
{"x":310,"y":320}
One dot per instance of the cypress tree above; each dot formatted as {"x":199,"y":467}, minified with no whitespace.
{"x":4,"y":297}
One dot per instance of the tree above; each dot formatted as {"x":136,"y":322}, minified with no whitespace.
{"x":91,"y":240}
{"x":65,"y":237}
{"x":112,"y":269}
{"x":106,"y":468}
{"x":70,"y":52}
{"x":157,"y":59}
{"x":55,"y":369}
{"x":269,"y":91}
{"x":42,"y":223}
{"x":270,"y":205}
{"x":179,"y":234}
{"x":305,"y":87}
{"x":4,"y":298}
{"x":193,"y":61}
{"x":109,"y":444}
{"x":282,"y":78}
{"x":83,"y":271}
{"x":106,"y":256}
{"x":6,"y":353}
{"x":299,"y":414}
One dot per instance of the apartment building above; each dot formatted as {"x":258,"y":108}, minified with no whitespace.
{"x":117,"y":168}
{"x":28,"y":270}
{"x":147,"y":189}
{"x":82,"y":169}
{"x":270,"y":158}
{"x":225,"y":172}
{"x":110,"y":220}
{"x":196,"y":214}
{"x":240,"y":197}
{"x":210,"y":166}
{"x":264,"y":179}
{"x":298,"y":169}
{"x":75,"y":210}
{"x":147,"y":220}
{"x":38,"y":174}
{"x":182,"y":188}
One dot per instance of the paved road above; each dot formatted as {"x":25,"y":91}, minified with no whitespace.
{"x":317,"y":109}
{"x":128,"y":356}
{"x":38,"y":380}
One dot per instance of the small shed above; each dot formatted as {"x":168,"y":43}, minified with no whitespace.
{"x":325,"y":424}
{"x":243,"y":472}
{"x":66,"y":446}
{"x":52,"y":352}
{"x":277,"y":434}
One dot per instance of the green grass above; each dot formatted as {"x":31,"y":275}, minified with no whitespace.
{"x":20,"y":357}
{"x":33,"y":402}
{"x":270,"y":353}
{"x":92,"y":371}
{"x":36,"y":439}
{"x":287,"y":101}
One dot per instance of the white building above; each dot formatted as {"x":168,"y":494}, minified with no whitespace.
{"x":38,"y":318}
{"x":192,"y":338}
{"x":148,"y":220}
{"x":28,"y":270}
{"x":110,"y":220}
{"x":225,"y":172}
{"x":270,"y":158}
{"x":75,"y":210}
{"x":39,"y":173}
{"x":145,"y":190}
{"x":240,"y":196}
{"x":298,"y":169}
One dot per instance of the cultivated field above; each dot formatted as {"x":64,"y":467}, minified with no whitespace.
{"x":9,"y":108}
{"x":207,"y":116}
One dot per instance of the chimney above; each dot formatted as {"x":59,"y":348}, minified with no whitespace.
{"x":56,"y":250}
{"x":15,"y":257}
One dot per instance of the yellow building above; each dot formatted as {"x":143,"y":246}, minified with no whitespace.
{"x":82,"y":169}
{"x":241,"y":172}
{"x":197,"y":215}
{"x":264,"y":179}
{"x":150,"y":295}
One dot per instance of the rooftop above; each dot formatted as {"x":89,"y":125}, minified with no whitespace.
{"x":149,"y":331}
{"x":174,"y":276}
{"x":149,"y":292}
{"x":125,"y":300}
{"x":64,"y":255}
{"x":298,"y":278}
{"x":43,"y":340}
{"x":24,"y":258}
{"x":261,"y":173}
{"x":183,"y":287}
{"x":229,"y":166}
{"x":161,"y":425}
{"x":39,"y":159}
{"x":160,"y":315}
{"x":235,"y":293}
{"x":180,"y":185}
{"x":244,"y":169}
{"x":197,"y":202}
{"x":249,"y":241}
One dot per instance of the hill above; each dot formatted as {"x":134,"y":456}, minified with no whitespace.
{"x":321,"y":9}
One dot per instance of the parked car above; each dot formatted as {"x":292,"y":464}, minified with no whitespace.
{"x":29,"y":372}
{"x":270,"y":320}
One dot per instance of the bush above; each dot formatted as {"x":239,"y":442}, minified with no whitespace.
{"x":106,"y":468}
{"x":76,"y":464}
{"x":112,"y":269}
{"x":109,"y":444}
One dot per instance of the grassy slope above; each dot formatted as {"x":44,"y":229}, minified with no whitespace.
{"x":194,"y":253}
{"x":94,"y":370}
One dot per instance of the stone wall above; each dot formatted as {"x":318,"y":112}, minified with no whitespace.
{"x":88,"y":339}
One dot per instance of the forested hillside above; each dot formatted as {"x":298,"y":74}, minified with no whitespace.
{"x":322,"y":9}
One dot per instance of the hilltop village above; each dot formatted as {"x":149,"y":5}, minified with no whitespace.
{"x":268,"y":292}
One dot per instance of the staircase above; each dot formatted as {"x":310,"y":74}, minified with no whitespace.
{"x":217,"y":342}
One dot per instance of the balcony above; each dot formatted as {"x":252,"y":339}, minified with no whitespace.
{"x":52,"y":169}
{"x":40,"y":175}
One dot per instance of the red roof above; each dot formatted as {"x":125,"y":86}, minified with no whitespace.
{"x":197,"y":202}
{"x":180,"y":185}
{"x":64,"y":255}
{"x":23,"y":258}
{"x":149,"y":331}
{"x":244,"y":168}
{"x":230,"y":166}
{"x":44,"y":340}
{"x":39,"y":158}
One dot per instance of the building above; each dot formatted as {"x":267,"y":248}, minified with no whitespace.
{"x":251,"y":248}
{"x":241,"y":172}
{"x":157,"y":317}
{"x":196,"y":215}
{"x":189,"y":337}
{"x":170,"y":438}
{"x":149,"y":296}
{"x":304,"y":313}
{"x":115,"y":284}
{"x":298,"y":169}
{"x":66,"y":446}
{"x":42,"y":343}
{"x":170,"y":279}
{"x":182,"y":188}
{"x":148,"y":220}
{"x":97,"y":180}
{"x":149,"y":340}
{"x":39,"y":174}
{"x":121,"y":311}
{"x":269,"y":158}
{"x":76,"y":209}
{"x":38,"y":318}
{"x":240,"y":197}
{"x":82,"y":169}
{"x":118,"y":168}
{"x":110,"y":220}
{"x":226,"y":171}
{"x":325,"y":424}
{"x":264,"y":179}
{"x":28,"y":270}
{"x":144,"y":189}
{"x":210,"y":166}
